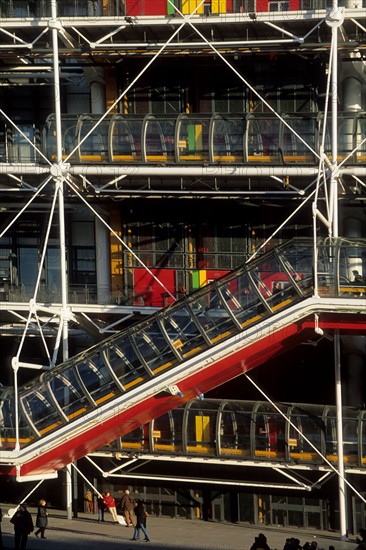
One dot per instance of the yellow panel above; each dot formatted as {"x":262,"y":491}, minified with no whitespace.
{"x":218,"y":6}
{"x":110,"y":89}
{"x":202,"y":277}
{"x":202,"y":429}
{"x":198,"y":136}
{"x":116,"y":250}
{"x":188,"y":6}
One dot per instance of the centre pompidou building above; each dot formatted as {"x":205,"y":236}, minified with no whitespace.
{"x":182,"y":252}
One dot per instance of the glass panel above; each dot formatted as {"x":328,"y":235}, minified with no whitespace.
{"x":183,"y":332}
{"x":68,"y":393}
{"x":212,"y":315}
{"x":242,"y":299}
{"x":350,"y":437}
{"x":345,"y":137}
{"x":201,"y":431}
{"x":263,"y":140}
{"x":160,"y":140}
{"x":360,"y":137}
{"x":95,"y":146}
{"x":126,"y":139}
{"x":20,"y":149}
{"x":193,"y":140}
{"x":352,"y":259}
{"x":331,"y":443}
{"x":40,"y":411}
{"x":154,"y":348}
{"x":7,"y":422}
{"x":312,"y":426}
{"x":269,"y":432}
{"x":294,"y":150}
{"x":228,"y":140}
{"x":298,"y":260}
{"x":137,"y":439}
{"x":164,"y":435}
{"x":273,"y":282}
{"x":126,"y":364}
{"x":69,"y":132}
{"x":346,"y":134}
{"x":235,"y":433}
{"x":97,"y":380}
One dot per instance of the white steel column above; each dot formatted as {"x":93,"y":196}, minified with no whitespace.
{"x":341,"y":480}
{"x":56,"y":171}
{"x":334,"y":105}
{"x":335,"y":19}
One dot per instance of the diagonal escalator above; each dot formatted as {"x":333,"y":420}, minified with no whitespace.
{"x":194,"y":345}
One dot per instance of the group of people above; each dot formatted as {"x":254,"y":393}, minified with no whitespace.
{"x":134,"y":512}
{"x":260,"y":543}
{"x":23,"y":524}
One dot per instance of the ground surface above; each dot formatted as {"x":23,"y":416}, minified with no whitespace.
{"x":85,"y":533}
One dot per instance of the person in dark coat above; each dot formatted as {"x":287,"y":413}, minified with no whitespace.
{"x":101,"y":507}
{"x":127,"y":505}
{"x":42,"y":519}
{"x":141,"y":514}
{"x":260,"y":543}
{"x":23,"y":526}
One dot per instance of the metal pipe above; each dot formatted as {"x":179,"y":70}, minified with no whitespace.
{"x":56,"y":171}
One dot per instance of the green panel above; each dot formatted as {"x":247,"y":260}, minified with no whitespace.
{"x":195,"y":279}
{"x":191,"y":137}
{"x":170,"y":9}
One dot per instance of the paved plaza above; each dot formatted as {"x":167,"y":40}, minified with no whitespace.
{"x":85,"y":533}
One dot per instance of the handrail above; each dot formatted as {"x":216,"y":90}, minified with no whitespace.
{"x":251,"y":431}
{"x":241,"y":138}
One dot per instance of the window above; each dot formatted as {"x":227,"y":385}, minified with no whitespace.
{"x":279,"y":6}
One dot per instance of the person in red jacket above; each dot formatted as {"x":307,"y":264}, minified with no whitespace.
{"x":111,"y":505}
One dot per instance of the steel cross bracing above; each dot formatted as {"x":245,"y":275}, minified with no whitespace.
{"x":127,"y":467}
{"x":78,"y":180}
{"x":88,"y":39}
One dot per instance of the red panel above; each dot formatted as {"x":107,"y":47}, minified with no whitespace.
{"x":156,"y":7}
{"x":146,"y":7}
{"x":261,"y":5}
{"x":133,"y":7}
{"x":148,"y":292}
{"x":213,"y":274}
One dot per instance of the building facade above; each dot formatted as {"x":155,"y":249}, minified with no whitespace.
{"x":151,"y":147}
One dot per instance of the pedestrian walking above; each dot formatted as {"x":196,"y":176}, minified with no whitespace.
{"x":127,"y":505}
{"x":41,"y":519}
{"x":23,"y":526}
{"x":141,"y":515}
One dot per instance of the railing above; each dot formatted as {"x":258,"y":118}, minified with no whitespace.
{"x":250,"y":430}
{"x":245,"y":297}
{"x":246,"y":138}
{"x":189,"y":139}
